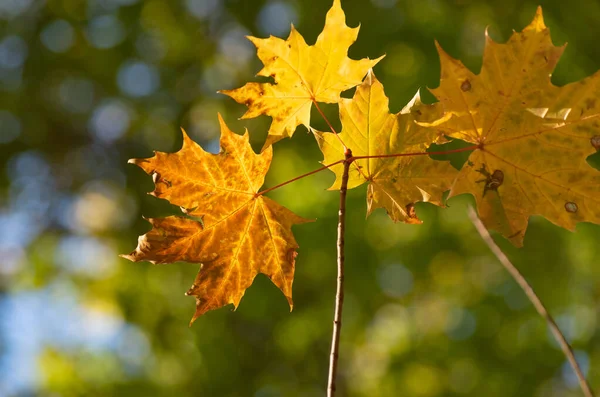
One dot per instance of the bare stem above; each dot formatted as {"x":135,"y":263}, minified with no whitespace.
{"x":339,"y":297}
{"x":535,"y":300}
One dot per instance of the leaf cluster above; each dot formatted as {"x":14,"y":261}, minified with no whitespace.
{"x":529,"y":143}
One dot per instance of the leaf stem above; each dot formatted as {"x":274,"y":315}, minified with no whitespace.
{"x":381,"y":156}
{"x":534,"y":299}
{"x":353,"y":158}
{"x":339,"y":297}
{"x":298,"y":177}
{"x":328,"y":123}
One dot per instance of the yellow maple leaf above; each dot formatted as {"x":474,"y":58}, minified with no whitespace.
{"x":369,"y":129}
{"x":533,"y":137}
{"x":303,"y":74}
{"x":230,"y":230}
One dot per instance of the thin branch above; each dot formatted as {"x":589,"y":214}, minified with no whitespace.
{"x":339,"y":297}
{"x":535,"y":300}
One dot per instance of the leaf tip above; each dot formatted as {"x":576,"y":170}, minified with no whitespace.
{"x":486,"y":33}
{"x":271,"y":139}
{"x":415,"y":101}
{"x":538,"y":21}
{"x":253,"y":40}
{"x":137,"y":162}
{"x":439,"y":49}
{"x":376,"y":60}
{"x":186,"y":137}
{"x":369,"y":77}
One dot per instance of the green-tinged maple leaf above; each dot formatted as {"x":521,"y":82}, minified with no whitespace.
{"x":369,"y":129}
{"x":533,"y":137}
{"x":303,"y":74}
{"x":232,"y":232}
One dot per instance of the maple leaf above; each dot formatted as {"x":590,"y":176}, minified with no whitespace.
{"x":230,"y":230}
{"x":369,"y":129}
{"x":533,"y":137}
{"x":303,"y":74}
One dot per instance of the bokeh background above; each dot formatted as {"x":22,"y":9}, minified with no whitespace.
{"x":87,"y":84}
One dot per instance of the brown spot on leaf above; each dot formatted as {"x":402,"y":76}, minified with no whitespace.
{"x":595,"y":141}
{"x":590,"y":103}
{"x":571,"y":207}
{"x":291,"y":255}
{"x":465,"y":86}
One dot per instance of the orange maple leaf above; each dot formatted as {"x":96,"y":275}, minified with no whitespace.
{"x":303,"y":74}
{"x":533,"y":136}
{"x":230,"y":230}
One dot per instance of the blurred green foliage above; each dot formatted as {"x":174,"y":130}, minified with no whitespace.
{"x":87,"y":84}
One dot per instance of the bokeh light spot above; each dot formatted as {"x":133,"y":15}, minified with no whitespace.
{"x":461,"y":324}
{"x":202,"y":9}
{"x":234,"y":45}
{"x":110,"y":120}
{"x":12,"y":8}
{"x":275,"y":17}
{"x":101,"y":206}
{"x":395,"y":280}
{"x":87,"y":256}
{"x":105,"y":31}
{"x":138,"y":79}
{"x":13,"y":52}
{"x":58,"y":36}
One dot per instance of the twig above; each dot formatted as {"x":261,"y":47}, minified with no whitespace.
{"x":535,"y":300}
{"x":339,"y":297}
